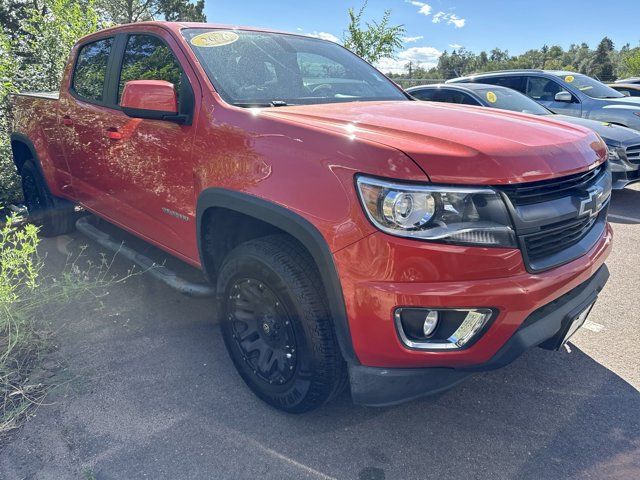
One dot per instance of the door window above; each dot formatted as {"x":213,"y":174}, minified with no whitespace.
{"x":91,"y":70}
{"x":513,"y":82}
{"x":427,"y":94}
{"x":148,"y":58}
{"x":543,"y":89}
{"x":454,"y":96}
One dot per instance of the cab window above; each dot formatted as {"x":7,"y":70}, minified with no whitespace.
{"x":91,"y":70}
{"x":148,"y":58}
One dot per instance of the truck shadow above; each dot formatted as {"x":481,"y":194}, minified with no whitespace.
{"x":624,"y":207}
{"x":163,"y":391}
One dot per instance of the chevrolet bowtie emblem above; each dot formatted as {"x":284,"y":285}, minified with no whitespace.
{"x":591,"y":205}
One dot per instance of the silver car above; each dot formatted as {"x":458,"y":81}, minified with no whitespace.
{"x":567,"y":93}
{"x":623,"y":143}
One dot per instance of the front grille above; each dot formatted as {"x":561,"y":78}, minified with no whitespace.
{"x":558,"y":237}
{"x":633,"y":154}
{"x":537,"y":192}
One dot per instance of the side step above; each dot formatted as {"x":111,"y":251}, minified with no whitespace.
{"x":160,"y":272}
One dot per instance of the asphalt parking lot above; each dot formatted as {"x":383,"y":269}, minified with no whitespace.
{"x":151,"y":393}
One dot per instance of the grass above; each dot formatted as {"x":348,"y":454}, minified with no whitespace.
{"x":26,"y":300}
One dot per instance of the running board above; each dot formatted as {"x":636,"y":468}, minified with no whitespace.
{"x":160,"y":272}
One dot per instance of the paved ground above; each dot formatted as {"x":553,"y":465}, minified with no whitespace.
{"x":154,"y":395}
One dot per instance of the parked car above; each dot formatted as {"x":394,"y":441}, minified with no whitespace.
{"x":627,"y":89}
{"x":567,"y":93}
{"x":353,"y":234}
{"x":632,"y":80}
{"x":623,"y":143}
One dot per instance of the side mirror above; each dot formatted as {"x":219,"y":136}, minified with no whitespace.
{"x":151,"y":99}
{"x":565,"y":97}
{"x":626,"y":93}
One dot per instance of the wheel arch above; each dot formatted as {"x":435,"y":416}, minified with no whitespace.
{"x":274,"y":217}
{"x":23,"y":149}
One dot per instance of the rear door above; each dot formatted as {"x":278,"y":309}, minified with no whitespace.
{"x":82,"y":106}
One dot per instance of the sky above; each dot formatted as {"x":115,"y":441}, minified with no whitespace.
{"x":433,"y":26}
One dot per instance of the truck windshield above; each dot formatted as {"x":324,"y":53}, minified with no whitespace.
{"x":250,"y":69}
{"x":507,"y":99}
{"x":590,"y":86}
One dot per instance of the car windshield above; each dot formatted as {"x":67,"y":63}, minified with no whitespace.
{"x":250,"y":68}
{"x":590,"y":86}
{"x":508,"y":99}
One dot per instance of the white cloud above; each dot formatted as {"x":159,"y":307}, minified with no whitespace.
{"x":450,"y":19}
{"x":299,"y":29}
{"x":324,"y":36}
{"x":455,"y":46}
{"x":425,"y":57}
{"x":412,"y":39}
{"x":425,"y":8}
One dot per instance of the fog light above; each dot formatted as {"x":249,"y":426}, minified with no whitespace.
{"x":430,"y":323}
{"x":442,"y":328}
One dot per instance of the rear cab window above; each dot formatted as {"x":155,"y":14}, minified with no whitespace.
{"x":90,"y":71}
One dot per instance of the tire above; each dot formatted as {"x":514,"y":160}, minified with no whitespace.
{"x":54,"y":216}
{"x":276,"y":324}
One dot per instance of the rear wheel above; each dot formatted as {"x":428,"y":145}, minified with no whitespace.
{"x":53,"y":215}
{"x":276,"y":324}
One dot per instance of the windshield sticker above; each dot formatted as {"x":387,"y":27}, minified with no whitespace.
{"x":492,"y":97}
{"x":214,"y":39}
{"x":569,"y":78}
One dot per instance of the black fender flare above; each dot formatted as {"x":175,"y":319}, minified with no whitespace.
{"x":19,"y":137}
{"x":299,"y":228}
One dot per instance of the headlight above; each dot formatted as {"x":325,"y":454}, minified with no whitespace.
{"x":459,"y":215}
{"x":616,"y":153}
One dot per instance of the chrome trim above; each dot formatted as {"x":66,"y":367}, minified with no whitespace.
{"x":452,"y":342}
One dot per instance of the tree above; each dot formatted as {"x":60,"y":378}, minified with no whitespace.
{"x":131,"y":11}
{"x":601,"y":65}
{"x":631,"y":63}
{"x":377,"y":41}
{"x":33,"y":53}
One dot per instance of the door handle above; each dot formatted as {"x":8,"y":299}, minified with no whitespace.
{"x":66,"y":120}
{"x":114,"y":134}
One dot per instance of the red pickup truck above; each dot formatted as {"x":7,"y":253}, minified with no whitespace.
{"x":354,"y":236}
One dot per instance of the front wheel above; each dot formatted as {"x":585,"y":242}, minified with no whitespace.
{"x":276,"y":324}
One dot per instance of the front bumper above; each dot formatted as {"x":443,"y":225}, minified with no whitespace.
{"x":381,"y":273}
{"x":624,"y":173}
{"x":375,"y":386}
{"x":624,"y":178}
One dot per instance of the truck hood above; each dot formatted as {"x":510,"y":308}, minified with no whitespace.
{"x":460,"y":144}
{"x":614,"y":135}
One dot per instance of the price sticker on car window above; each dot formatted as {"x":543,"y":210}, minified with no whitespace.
{"x":218,"y":38}
{"x":569,"y":78}
{"x":492,"y":97}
